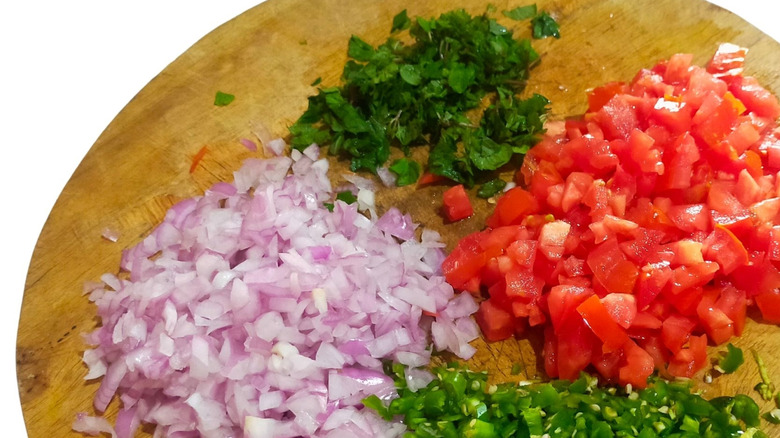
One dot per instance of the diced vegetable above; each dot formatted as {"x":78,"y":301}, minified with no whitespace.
{"x":401,"y":95}
{"x":460,"y":403}
{"x":731,"y":359}
{"x":457,"y":205}
{"x":649,"y":224}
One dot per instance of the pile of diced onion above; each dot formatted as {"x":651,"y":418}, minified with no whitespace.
{"x":255,"y":311}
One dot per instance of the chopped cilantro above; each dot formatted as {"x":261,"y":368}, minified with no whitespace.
{"x":329,"y":206}
{"x":223,"y":99}
{"x":545,"y":26}
{"x":346,"y":196}
{"x":316,"y":82}
{"x":404,"y":95}
{"x":408,"y":171}
{"x":521,"y":13}
{"x":731,"y":359}
{"x":401,"y":22}
{"x":491,"y":188}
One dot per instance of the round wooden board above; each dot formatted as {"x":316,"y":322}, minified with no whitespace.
{"x":267,"y":57}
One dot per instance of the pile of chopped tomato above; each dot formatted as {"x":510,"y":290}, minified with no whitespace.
{"x":641,"y":232}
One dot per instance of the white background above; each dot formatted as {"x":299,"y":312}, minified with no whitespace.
{"x":66,"y":69}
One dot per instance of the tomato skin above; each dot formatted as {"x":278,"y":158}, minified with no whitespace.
{"x":512,"y":207}
{"x":601,"y":323}
{"x":599,"y":96}
{"x":457,"y":205}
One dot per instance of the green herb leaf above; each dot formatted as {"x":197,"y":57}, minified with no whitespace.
{"x":399,"y":94}
{"x":731,"y":360}
{"x":359,"y":49}
{"x":497,"y":29}
{"x":346,"y":196}
{"x":410,"y":74}
{"x":485,"y":153}
{"x":316,"y":82}
{"x":521,"y":13}
{"x":408,"y":171}
{"x":223,"y":99}
{"x":401,"y":22}
{"x":461,"y":77}
{"x":491,"y":188}
{"x":544,"y":26}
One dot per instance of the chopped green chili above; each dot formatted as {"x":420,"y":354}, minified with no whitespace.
{"x":461,"y":403}
{"x":732,"y":359}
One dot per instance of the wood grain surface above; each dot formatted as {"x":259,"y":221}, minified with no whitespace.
{"x":267,"y":57}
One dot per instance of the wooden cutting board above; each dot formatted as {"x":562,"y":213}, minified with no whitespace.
{"x":267,"y":57}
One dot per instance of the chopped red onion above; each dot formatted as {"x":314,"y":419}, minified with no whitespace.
{"x":110,"y":234}
{"x":249,"y":144}
{"x":254,"y":311}
{"x":387,"y":177}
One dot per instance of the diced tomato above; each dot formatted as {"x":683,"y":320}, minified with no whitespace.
{"x":639,"y":365}
{"x":728,"y":60}
{"x":756,"y":98}
{"x":552,"y":238}
{"x":611,"y":268}
{"x":601,"y":323}
{"x":645,"y":320}
{"x":769,"y":303}
{"x":512,"y":207}
{"x":496,"y":324}
{"x":562,"y":302}
{"x":522,"y":284}
{"x":429,"y":178}
{"x":675,"y":332}
{"x":457,"y":205}
{"x":725,"y":248}
{"x":621,"y":307}
{"x":652,"y":280}
{"x":576,"y":346}
{"x":550,"y":352}
{"x":523,"y":252}
{"x":599,"y":96}
{"x":733,"y":303}
{"x":718,"y":326}
{"x":465,"y":261}
{"x":687,"y":361}
{"x":642,"y":229}
{"x":617,"y":117}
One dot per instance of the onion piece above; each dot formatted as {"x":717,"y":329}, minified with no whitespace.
{"x":254,"y":310}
